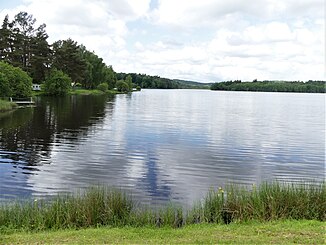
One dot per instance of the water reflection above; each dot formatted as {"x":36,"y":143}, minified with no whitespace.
{"x":28,"y":136}
{"x":162,"y":145}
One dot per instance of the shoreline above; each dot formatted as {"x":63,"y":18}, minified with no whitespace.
{"x":82,"y":92}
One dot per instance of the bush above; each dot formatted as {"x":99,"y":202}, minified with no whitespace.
{"x":7,"y":106}
{"x":5,"y":90}
{"x":14,"y":82}
{"x":57,"y":83}
{"x":122,"y":86}
{"x":103,"y":87}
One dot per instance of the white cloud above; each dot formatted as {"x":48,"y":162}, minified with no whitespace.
{"x":264,"y":51}
{"x":203,"y":40}
{"x":190,"y":13}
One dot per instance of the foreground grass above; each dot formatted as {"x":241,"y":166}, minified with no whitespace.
{"x":279,"y":232}
{"x":7,"y":106}
{"x":102,"y":206}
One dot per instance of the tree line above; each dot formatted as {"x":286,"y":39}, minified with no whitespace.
{"x":25,"y":45}
{"x":157,"y":82}
{"x":57,"y":65}
{"x":272,"y":86}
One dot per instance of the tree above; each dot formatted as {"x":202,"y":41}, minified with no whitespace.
{"x":41,"y":55}
{"x":271,"y":86}
{"x":23,"y":29}
{"x":20,"y":84}
{"x":122,"y":86}
{"x":103,"y":87}
{"x":24,"y":46}
{"x":110,"y":76}
{"x":129,"y":82}
{"x":57,"y":83}
{"x":5,"y":39}
{"x":5,"y":90}
{"x":68,"y":58}
{"x":97,"y":71}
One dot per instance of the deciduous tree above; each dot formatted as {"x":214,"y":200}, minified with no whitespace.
{"x":20,"y":84}
{"x":57,"y":83}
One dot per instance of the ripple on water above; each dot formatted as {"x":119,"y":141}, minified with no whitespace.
{"x":164,"y":145}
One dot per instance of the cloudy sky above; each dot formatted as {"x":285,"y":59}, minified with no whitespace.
{"x":201,"y":40}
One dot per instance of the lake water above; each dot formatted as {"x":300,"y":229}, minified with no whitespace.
{"x":162,"y":145}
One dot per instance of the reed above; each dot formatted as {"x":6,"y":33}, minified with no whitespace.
{"x":93,"y":207}
{"x":7,"y":106}
{"x":103,"y":206}
{"x":269,"y":201}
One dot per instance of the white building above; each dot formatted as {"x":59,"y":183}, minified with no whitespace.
{"x":36,"y":87}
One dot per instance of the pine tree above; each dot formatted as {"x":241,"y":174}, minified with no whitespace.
{"x":67,"y":58}
{"x":41,"y":55}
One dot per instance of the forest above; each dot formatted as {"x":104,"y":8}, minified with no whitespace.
{"x":272,"y":86}
{"x":156,"y":82}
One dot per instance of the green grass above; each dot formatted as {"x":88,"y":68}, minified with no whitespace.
{"x":269,"y":201}
{"x":82,"y":92}
{"x":102,"y":206}
{"x":86,"y":92}
{"x":277,"y":232}
{"x":7,"y":106}
{"x":91,"y":92}
{"x":37,"y":93}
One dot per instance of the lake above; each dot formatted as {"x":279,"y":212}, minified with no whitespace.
{"x":161,"y":145}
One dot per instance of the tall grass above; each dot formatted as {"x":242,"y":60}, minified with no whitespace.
{"x":96,"y":206}
{"x":269,"y":201}
{"x":6,"y":105}
{"x":99,"y":206}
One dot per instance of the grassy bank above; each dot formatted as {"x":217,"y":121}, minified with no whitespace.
{"x":101,"y":206}
{"x":278,"y":232}
{"x":85,"y":92}
{"x":92,"y":92}
{"x":7,"y":106}
{"x":82,"y":92}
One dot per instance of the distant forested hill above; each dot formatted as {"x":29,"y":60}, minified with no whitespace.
{"x":147,"y":81}
{"x":193,"y":84}
{"x":272,"y":86}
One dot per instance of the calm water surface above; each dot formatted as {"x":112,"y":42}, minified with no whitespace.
{"x":161,"y":145}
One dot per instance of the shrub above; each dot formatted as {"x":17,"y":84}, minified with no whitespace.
{"x":57,"y":83}
{"x":5,"y":90}
{"x":103,"y":87}
{"x":122,"y":86}
{"x":14,"y":82}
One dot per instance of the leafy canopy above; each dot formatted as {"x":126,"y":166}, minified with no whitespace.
{"x":103,"y":87}
{"x":14,"y":82}
{"x":122,"y":86}
{"x":24,"y":45}
{"x":57,"y":83}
